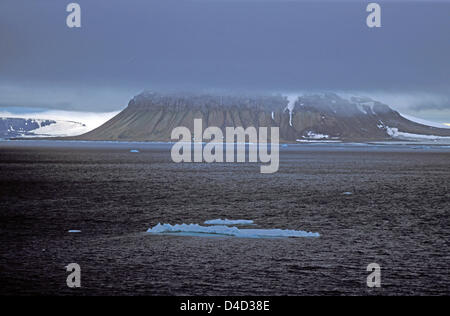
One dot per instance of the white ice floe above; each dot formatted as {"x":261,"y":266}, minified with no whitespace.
{"x":229,"y":222}
{"x":74,"y":231}
{"x":317,"y":141}
{"x":395,"y":133}
{"x":197,"y":230}
{"x":134,"y":151}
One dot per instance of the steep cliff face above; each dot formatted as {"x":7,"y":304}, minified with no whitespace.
{"x":153,"y":116}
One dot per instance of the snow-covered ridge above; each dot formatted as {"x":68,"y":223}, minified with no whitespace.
{"x":59,"y":129}
{"x":57,"y":123}
{"x":197,"y":230}
{"x":21,"y":127}
{"x":424,"y":122}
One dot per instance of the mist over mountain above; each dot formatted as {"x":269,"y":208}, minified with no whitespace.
{"x":151,"y":116}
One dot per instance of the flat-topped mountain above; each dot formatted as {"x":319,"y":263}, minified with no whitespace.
{"x":152,"y":116}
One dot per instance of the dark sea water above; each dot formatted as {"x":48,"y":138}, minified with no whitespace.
{"x":397,"y":216}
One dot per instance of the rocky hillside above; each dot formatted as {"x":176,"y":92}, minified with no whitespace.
{"x":153,"y":116}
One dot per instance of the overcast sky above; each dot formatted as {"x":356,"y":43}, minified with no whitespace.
{"x":126,"y":46}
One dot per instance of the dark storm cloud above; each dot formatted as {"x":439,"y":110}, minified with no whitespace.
{"x":130,"y":45}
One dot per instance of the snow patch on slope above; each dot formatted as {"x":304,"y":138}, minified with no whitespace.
{"x":291,"y":105}
{"x":364,"y":104}
{"x":395,"y":133}
{"x":313,"y":135}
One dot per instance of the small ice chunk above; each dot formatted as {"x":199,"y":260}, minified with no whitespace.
{"x":134,"y":151}
{"x":229,"y":222}
{"x":74,"y":231}
{"x":347,"y":193}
